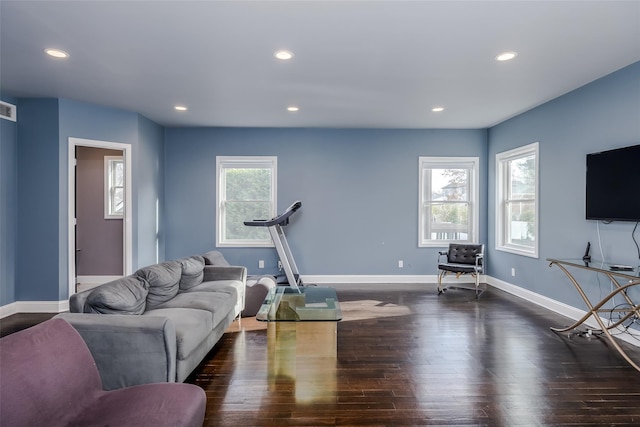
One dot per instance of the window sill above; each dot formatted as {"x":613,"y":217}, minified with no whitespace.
{"x":517,"y":251}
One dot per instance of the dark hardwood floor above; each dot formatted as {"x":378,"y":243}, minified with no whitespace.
{"x":18,"y":322}
{"x":408,"y":357}
{"x":403,"y":355}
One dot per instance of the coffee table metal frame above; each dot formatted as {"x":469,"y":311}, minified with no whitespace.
{"x":632,"y":277}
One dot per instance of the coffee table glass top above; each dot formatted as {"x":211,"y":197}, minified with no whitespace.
{"x":308,"y":303}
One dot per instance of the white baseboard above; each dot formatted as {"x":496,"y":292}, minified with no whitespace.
{"x":535,"y":298}
{"x":382,"y":279}
{"x":557,"y":307}
{"x":33,"y":307}
{"x":84,"y":283}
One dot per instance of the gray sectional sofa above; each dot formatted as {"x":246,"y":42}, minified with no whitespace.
{"x":157,"y":324}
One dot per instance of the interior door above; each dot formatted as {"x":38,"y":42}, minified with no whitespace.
{"x":98,"y":233}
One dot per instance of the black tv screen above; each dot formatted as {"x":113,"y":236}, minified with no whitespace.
{"x":613,"y":181}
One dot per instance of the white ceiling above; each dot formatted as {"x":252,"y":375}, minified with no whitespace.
{"x":373,"y":64}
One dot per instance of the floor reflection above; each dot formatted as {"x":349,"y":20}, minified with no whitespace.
{"x":303,"y":355}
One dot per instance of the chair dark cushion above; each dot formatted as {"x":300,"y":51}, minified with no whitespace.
{"x":463,"y":254}
{"x":457,"y":268}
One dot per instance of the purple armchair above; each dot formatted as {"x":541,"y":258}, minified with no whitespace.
{"x":50,"y":378}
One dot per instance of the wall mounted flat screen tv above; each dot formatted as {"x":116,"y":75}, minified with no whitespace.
{"x":613,"y":185}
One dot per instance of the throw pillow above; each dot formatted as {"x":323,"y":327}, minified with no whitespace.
{"x":214,"y":258}
{"x":192,"y":271}
{"x":122,"y":296}
{"x":164,"y":281}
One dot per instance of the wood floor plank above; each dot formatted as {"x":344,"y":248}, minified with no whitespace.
{"x":404,"y":356}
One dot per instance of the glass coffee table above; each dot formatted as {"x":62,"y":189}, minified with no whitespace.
{"x":307,"y":303}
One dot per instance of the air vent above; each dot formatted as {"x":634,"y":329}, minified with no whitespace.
{"x":8,"y":111}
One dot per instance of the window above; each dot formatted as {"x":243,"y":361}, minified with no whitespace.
{"x":448,"y":200}
{"x":246,"y":191}
{"x":113,"y":187}
{"x":517,"y":199}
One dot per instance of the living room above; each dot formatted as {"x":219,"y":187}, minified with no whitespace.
{"x":359,"y":188}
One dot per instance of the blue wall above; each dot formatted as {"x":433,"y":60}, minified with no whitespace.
{"x":149,"y":192}
{"x":358,"y":186}
{"x":8,"y":206}
{"x":34,"y":173}
{"x":38,"y":167}
{"x":602,"y":115}
{"x":359,"y":190}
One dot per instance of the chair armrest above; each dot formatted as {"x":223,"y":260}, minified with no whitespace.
{"x":441,"y":254}
{"x":128,"y":349}
{"x":217,"y":272}
{"x":479,"y":261}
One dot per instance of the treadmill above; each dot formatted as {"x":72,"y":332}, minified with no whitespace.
{"x":276,"y":230}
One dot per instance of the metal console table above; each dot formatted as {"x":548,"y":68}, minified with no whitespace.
{"x":615,"y":275}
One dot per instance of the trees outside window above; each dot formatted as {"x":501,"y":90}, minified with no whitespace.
{"x":517,"y":198}
{"x":246,"y":191}
{"x":448,"y":200}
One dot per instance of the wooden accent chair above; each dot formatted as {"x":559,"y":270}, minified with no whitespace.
{"x":461,"y":259}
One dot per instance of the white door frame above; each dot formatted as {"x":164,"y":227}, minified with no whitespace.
{"x":127,"y":228}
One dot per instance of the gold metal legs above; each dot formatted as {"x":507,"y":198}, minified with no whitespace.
{"x":633,"y":309}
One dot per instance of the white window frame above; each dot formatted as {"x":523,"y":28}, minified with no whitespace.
{"x":223,"y":162}
{"x":110,"y":163}
{"x":471,"y":163}
{"x":502,"y":193}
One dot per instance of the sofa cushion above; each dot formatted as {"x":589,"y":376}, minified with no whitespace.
{"x":193,"y":326}
{"x":219,"y":304}
{"x":235,"y":287}
{"x":192,"y":271}
{"x":215,"y":258}
{"x":122,"y":296}
{"x":164,"y":281}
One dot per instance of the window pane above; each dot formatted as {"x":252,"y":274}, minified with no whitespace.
{"x":246,"y":192}
{"x":522,"y":179}
{"x":114,"y":200}
{"x":248,"y":184}
{"x":119,"y":173}
{"x":118,"y":200}
{"x":521,"y":223}
{"x":447,"y":221}
{"x":449,"y":184}
{"x":238,"y":212}
{"x":448,"y":194}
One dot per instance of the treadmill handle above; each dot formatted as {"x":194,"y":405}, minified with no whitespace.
{"x":282,"y":219}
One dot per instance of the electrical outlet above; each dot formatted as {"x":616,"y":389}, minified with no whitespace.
{"x":279,"y":265}
{"x":261,"y":263}
{"x":400,"y":264}
{"x":513,"y":271}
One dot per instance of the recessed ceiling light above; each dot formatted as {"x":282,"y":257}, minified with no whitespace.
{"x":437,"y":109}
{"x":56,"y":53}
{"x":506,"y":56}
{"x":293,"y":109}
{"x":283,"y":54}
{"x":180,"y":108}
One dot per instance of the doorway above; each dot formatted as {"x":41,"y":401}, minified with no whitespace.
{"x":89,"y":221}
